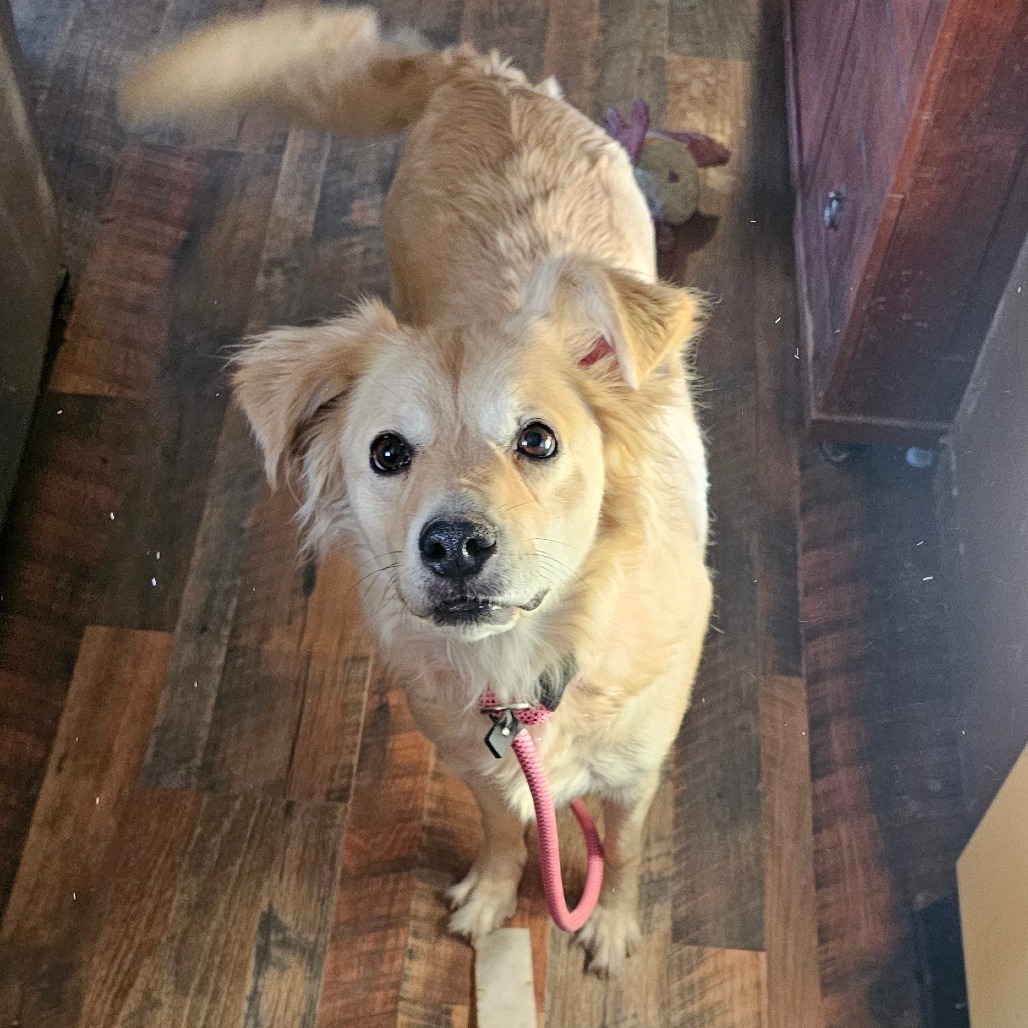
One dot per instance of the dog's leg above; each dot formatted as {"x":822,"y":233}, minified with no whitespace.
{"x":612,"y":932}
{"x":489,"y":893}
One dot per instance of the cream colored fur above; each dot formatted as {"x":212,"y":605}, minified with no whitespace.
{"x":517,"y":239}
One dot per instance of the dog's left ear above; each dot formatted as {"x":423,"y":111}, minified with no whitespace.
{"x":283,"y":379}
{"x":604,"y":311}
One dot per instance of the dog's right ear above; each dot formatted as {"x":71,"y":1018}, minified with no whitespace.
{"x":284,"y":378}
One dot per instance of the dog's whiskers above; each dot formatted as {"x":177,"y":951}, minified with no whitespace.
{"x":556,"y":542}
{"x":370,"y":577}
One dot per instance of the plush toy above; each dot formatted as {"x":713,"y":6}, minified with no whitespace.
{"x":666,"y":166}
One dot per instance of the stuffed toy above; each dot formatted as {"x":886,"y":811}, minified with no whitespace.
{"x":666,"y":166}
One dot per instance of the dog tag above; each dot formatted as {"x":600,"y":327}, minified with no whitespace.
{"x":501,"y":735}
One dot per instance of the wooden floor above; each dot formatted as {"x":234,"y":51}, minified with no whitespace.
{"x":215,"y":810}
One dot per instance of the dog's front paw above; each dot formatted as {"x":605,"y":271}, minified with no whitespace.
{"x":609,"y":936}
{"x":481,"y":903}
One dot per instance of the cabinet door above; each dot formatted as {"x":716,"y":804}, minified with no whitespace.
{"x":820,"y":35}
{"x":29,"y":264}
{"x":835,"y":219}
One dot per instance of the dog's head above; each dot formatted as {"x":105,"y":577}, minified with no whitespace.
{"x":468,"y":465}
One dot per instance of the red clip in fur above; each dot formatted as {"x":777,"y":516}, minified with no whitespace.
{"x":601,"y":348}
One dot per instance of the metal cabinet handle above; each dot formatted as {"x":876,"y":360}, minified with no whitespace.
{"x":836,"y":198}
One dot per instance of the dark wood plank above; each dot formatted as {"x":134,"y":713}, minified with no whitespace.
{"x":209,"y":597}
{"x":36,"y":666}
{"x":348,"y":226}
{"x":516,"y":29}
{"x":886,"y":802}
{"x":790,"y":919}
{"x":77,"y":62}
{"x":292,"y":931}
{"x":283,"y":290}
{"x":296,"y":670}
{"x":715,"y":96}
{"x":259,"y":701}
{"x":210,"y":286}
{"x":378,"y":881}
{"x":717,"y":770}
{"x":778,"y":364}
{"x":439,"y":22}
{"x":572,"y":39}
{"x":95,"y":760}
{"x":225,"y":532}
{"x":436,"y":983}
{"x":60,"y":532}
{"x":39,"y":28}
{"x":725,"y":31}
{"x":120,"y":322}
{"x":56,"y":547}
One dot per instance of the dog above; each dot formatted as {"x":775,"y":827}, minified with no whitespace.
{"x":510,"y":450}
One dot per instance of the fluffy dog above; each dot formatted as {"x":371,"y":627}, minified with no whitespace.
{"x":510,"y":453}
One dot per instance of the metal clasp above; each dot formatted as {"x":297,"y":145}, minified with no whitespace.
{"x":836,"y":198}
{"x":500,"y":736}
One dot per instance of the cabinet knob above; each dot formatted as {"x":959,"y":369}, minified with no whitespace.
{"x":836,"y":198}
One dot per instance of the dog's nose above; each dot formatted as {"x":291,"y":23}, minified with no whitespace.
{"x":456,"y":549}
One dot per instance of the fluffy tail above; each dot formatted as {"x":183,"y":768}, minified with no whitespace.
{"x":327,"y":68}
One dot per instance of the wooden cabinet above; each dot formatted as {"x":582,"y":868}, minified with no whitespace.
{"x":909,"y":131}
{"x":29,"y":262}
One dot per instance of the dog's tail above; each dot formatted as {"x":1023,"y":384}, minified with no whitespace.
{"x":329,"y":69}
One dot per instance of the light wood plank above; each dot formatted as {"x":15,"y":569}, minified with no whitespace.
{"x":130,"y":919}
{"x":727,"y":30}
{"x":245,"y":933}
{"x":632,"y":57}
{"x":717,"y":987}
{"x":717,"y":97}
{"x":639,"y":996}
{"x":793,"y":979}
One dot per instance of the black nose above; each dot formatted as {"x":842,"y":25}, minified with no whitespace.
{"x":456,"y":549}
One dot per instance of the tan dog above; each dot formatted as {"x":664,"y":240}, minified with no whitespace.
{"x":513,"y":457}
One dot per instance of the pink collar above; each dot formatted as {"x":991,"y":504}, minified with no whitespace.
{"x":527,"y":713}
{"x":508,"y":717}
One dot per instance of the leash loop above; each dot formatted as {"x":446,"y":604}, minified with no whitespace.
{"x":509,"y":721}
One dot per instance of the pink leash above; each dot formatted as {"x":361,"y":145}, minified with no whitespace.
{"x":508,"y":725}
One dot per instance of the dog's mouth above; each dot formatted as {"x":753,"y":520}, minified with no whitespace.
{"x":476,"y":610}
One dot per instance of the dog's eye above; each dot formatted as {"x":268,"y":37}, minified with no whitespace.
{"x":537,"y":441}
{"x":390,"y":453}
